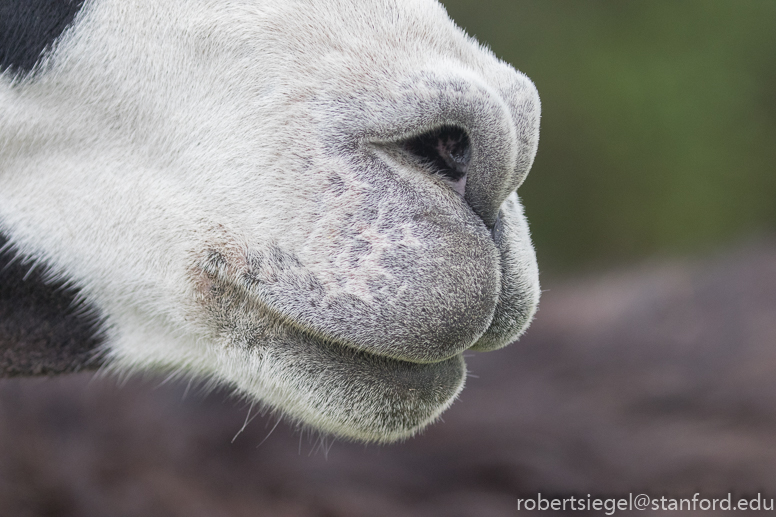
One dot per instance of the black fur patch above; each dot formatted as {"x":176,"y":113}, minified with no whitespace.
{"x":42,"y":329}
{"x":29,"y":27}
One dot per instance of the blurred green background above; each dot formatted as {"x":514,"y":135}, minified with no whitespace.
{"x":658,"y":123}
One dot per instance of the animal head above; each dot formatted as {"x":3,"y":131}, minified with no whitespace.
{"x":312,"y":202}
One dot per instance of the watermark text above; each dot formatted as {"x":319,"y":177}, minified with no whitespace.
{"x":610,"y":505}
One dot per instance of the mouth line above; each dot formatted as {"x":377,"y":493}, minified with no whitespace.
{"x":309,"y":335}
{"x":345,"y":350}
{"x":370,"y":397}
{"x":398,"y":397}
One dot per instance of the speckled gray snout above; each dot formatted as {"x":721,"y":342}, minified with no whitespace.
{"x":419,"y":249}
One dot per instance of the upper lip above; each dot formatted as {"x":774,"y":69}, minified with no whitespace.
{"x":333,"y":325}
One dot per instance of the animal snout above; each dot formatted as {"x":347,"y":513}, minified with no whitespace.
{"x":431,"y":258}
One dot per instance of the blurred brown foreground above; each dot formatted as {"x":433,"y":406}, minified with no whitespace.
{"x":659,"y":379}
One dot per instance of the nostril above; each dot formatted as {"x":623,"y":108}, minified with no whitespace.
{"x":445,"y":151}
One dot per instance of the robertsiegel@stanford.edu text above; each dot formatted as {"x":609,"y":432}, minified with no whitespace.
{"x":609,"y":505}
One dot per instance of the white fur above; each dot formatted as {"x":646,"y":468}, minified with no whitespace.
{"x":223,"y":181}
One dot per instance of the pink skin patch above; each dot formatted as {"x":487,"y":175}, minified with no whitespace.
{"x":449,"y":149}
{"x":459,"y":186}
{"x":445,"y":152}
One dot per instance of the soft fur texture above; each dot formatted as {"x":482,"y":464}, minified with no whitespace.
{"x":229,"y":184}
